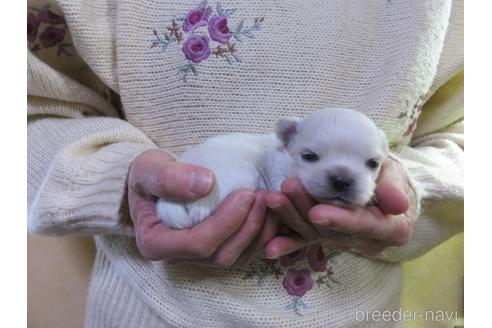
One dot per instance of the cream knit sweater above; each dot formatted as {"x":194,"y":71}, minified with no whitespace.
{"x":103,"y":87}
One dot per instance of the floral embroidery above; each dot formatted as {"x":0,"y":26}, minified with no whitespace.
{"x":218,"y":29}
{"x":291,"y":259}
{"x":317,"y":259}
{"x":411,"y":116}
{"x":197,"y":47}
{"x":267,"y":268}
{"x":300,"y":278}
{"x":297,"y":282}
{"x":32,"y":27}
{"x":197,"y":17}
{"x":53,"y":34}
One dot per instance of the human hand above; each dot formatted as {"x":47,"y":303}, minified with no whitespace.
{"x":232,"y":234}
{"x":367,"y":230}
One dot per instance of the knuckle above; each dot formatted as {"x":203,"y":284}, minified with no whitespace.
{"x":261,"y":196}
{"x":161,"y":182}
{"x":283,"y":200}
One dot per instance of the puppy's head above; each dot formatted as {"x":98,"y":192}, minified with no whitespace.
{"x":337,"y":154}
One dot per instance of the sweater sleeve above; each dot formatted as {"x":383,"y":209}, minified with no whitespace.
{"x":79,"y":151}
{"x":434,"y":161}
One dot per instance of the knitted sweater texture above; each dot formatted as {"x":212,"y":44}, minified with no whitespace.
{"x":109,"y":79}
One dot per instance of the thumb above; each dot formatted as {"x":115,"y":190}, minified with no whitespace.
{"x":390,"y":189}
{"x":157,"y":175}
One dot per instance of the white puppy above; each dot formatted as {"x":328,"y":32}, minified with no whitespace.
{"x":336,"y":153}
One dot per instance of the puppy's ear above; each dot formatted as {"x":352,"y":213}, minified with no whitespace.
{"x":286,"y":129}
{"x":384,"y":142}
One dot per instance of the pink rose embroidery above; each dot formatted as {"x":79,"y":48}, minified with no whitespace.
{"x":51,"y":36}
{"x":218,"y":29}
{"x":54,"y":29}
{"x":299,"y":278}
{"x":217,"y":41}
{"x":317,"y":259}
{"x":196,"y":48}
{"x":32,"y":27}
{"x":298,"y":282}
{"x":196,"y":17}
{"x":292,"y":258}
{"x":410,"y":128}
{"x":410,"y":116}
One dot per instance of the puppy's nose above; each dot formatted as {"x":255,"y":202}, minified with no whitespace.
{"x":340,"y":183}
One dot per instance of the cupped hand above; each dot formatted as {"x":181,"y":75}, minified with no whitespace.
{"x":367,"y":230}
{"x":233,"y":235}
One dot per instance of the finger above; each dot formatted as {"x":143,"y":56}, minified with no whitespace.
{"x":370,"y":222}
{"x":283,"y":209}
{"x":159,"y":176}
{"x":268,"y":232}
{"x":227,"y":254}
{"x":209,"y":235}
{"x":293,"y":188}
{"x":155,"y":240}
{"x":283,"y":245}
{"x":391,"y":188}
{"x":158,"y":241}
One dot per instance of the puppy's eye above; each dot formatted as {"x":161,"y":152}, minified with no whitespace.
{"x":309,"y":157}
{"x":372,"y":164}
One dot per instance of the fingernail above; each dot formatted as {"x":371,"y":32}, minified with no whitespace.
{"x":200,"y":183}
{"x":273,"y":254}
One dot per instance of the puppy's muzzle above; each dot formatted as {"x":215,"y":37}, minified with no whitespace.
{"x":341,"y":183}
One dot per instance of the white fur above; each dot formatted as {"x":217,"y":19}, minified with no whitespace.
{"x":342,"y":138}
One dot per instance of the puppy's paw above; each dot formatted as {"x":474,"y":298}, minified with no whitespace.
{"x":181,"y":216}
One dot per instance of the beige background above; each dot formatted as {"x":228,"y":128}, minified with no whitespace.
{"x":58,"y":273}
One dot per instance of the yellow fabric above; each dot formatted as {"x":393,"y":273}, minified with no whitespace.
{"x":444,"y":109}
{"x":434,"y":281}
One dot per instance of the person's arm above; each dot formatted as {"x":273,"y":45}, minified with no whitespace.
{"x":88,"y":169}
{"x":79,"y":152}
